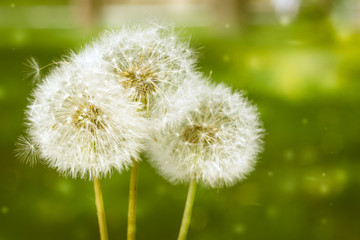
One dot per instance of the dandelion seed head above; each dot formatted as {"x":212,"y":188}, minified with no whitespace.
{"x":149,"y":63}
{"x":215,"y":140}
{"x":82,"y":122}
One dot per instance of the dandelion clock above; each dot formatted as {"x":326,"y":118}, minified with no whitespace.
{"x":149,"y":62}
{"x":80,"y":123}
{"x":214,"y":142}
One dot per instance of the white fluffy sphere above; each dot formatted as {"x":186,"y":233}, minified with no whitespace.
{"x":82,"y":122}
{"x":150,"y":63}
{"x":215,"y":140}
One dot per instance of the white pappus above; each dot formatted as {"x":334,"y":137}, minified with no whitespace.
{"x":216,"y":141}
{"x":149,"y":62}
{"x":82,"y":122}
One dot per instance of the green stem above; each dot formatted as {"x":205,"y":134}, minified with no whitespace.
{"x":131,"y":229}
{"x":188,"y":209}
{"x":100,"y":210}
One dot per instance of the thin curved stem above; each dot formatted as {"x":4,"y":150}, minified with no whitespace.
{"x":131,"y":228}
{"x":188,"y":210}
{"x":100,"y":210}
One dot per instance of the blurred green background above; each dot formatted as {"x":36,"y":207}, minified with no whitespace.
{"x":299,"y":61}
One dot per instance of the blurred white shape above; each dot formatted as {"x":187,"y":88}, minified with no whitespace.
{"x":286,"y":10}
{"x":112,"y":15}
{"x":345,"y":18}
{"x":184,"y":15}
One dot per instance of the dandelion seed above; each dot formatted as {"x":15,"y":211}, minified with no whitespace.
{"x":26,"y":150}
{"x":32,"y":70}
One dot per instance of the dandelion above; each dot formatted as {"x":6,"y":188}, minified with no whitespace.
{"x":83,"y":125}
{"x":215,"y":142}
{"x":82,"y":122}
{"x":149,"y":64}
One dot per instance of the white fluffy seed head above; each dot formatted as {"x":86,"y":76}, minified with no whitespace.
{"x":216,"y":141}
{"x":148,"y":62}
{"x":82,"y":123}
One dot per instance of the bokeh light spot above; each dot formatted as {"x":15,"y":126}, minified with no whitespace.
{"x":161,"y":189}
{"x":254,"y":62}
{"x":272,"y":212}
{"x":304,"y":121}
{"x":239,"y":228}
{"x":226,"y":58}
{"x":19,"y":37}
{"x":324,"y":188}
{"x":4,"y":210}
{"x":64,"y":187}
{"x":288,"y":154}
